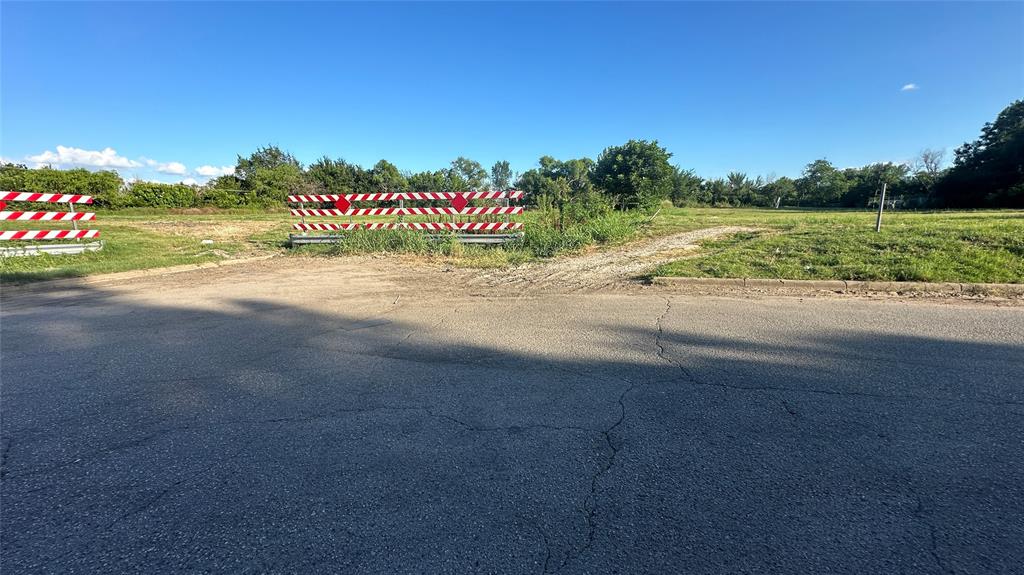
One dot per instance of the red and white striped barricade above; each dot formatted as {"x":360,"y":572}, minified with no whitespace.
{"x":467,"y":224}
{"x":6,"y":214}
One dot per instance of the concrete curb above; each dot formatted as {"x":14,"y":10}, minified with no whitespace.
{"x":952,"y":289}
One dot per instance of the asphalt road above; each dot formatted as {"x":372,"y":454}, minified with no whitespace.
{"x":270,"y":419}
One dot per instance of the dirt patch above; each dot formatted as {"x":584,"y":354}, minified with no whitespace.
{"x":218,"y":231}
{"x":601,"y":268}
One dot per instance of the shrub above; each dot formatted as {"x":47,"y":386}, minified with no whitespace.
{"x":157,"y":195}
{"x":103,"y":186}
{"x":219,"y":198}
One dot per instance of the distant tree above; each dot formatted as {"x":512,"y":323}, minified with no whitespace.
{"x":470,"y":174}
{"x":270,"y":174}
{"x":339,"y":177}
{"x":636,"y":174}
{"x":989,"y":172}
{"x":539,"y":182}
{"x":821,"y":184}
{"x":686,"y":188}
{"x":716,"y":191}
{"x":269,"y":157}
{"x":741,"y":189}
{"x":576,"y":172}
{"x":781,"y":191}
{"x":929,"y":162}
{"x":455,"y":182}
{"x":501,"y":175}
{"x":386,"y":177}
{"x":864,"y":184}
{"x":225,"y":182}
{"x":436,"y":181}
{"x":535,"y":186}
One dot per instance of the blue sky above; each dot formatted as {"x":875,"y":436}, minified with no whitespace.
{"x":174,"y":91}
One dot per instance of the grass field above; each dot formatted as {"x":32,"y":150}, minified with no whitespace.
{"x":789,"y":244}
{"x":135,"y":240}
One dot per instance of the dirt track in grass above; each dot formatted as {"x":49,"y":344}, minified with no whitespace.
{"x":603,"y":267}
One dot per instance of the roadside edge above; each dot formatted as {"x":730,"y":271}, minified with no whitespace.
{"x":1011,"y":291}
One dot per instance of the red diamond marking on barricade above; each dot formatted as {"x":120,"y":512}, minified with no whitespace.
{"x":459,"y":202}
{"x":342,"y":204}
{"x":3,"y":205}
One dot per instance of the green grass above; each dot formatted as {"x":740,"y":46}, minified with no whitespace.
{"x":792,"y":244}
{"x":149,"y":238}
{"x":540,"y":239}
{"x":139,"y":240}
{"x":788,"y":244}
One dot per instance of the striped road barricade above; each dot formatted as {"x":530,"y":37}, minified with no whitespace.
{"x":491,"y":224}
{"x":7,"y":214}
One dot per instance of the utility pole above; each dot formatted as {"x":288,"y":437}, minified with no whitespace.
{"x":881,"y":204}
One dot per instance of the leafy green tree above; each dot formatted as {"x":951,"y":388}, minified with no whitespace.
{"x":436,"y":181}
{"x":989,"y":172}
{"x":577,"y":172}
{"x":224,"y":192}
{"x":386,"y":177}
{"x":339,"y":177}
{"x":467,"y":175}
{"x":501,"y":175}
{"x":686,"y":188}
{"x":781,"y":190}
{"x":821,"y":184}
{"x":535,"y":185}
{"x":564,"y":187}
{"x":270,"y":175}
{"x":225,"y":182}
{"x":634,"y":175}
{"x":865,"y":183}
{"x":269,"y":157}
{"x":743,"y":191}
{"x":716,"y":191}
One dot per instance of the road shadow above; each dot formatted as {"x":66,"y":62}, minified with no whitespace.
{"x":257,"y":435}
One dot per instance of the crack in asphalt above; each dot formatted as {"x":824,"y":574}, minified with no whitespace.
{"x":860,"y":394}
{"x":590,"y":503}
{"x":4,"y":454}
{"x":137,"y":442}
{"x":921,"y":513}
{"x":547,"y":547}
{"x":693,"y":380}
{"x":405,"y":339}
{"x":150,"y":502}
{"x":429,"y":411}
{"x":6,"y":475}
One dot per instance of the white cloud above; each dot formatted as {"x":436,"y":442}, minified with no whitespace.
{"x":214,"y":171}
{"x":176,"y":168}
{"x":190,"y":181}
{"x":65,"y":156}
{"x":173,"y":168}
{"x":909,"y":88}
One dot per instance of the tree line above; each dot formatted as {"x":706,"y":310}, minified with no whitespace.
{"x":985,"y":173}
